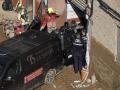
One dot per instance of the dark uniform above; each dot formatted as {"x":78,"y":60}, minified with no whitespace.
{"x":78,"y":53}
{"x":84,"y":39}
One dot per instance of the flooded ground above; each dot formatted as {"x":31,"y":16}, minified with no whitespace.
{"x":64,"y":82}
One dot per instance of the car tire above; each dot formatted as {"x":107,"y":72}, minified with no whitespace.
{"x":50,"y":76}
{"x":4,"y":6}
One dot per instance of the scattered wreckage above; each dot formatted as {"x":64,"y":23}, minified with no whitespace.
{"x":12,"y":28}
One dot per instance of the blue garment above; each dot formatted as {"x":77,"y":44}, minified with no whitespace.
{"x":78,"y":54}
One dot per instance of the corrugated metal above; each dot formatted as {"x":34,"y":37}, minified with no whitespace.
{"x":81,"y":4}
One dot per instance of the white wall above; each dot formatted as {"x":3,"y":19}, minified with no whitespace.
{"x":104,"y":29}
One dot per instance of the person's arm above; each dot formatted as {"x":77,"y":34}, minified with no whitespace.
{"x":41,"y":28}
{"x":44,"y":23}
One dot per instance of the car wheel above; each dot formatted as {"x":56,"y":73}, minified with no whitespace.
{"x":50,"y":76}
{"x":4,"y":6}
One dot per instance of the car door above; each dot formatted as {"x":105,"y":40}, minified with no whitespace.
{"x":57,"y":55}
{"x":33,"y":72}
{"x":12,"y":78}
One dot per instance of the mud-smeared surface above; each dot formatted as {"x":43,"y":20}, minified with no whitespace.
{"x":102,"y":65}
{"x":64,"y":81}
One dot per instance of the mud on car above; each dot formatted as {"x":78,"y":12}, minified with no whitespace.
{"x":29,"y":60}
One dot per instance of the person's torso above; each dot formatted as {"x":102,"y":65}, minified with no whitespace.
{"x":50,"y":21}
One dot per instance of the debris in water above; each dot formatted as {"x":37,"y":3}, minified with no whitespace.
{"x":53,"y":85}
{"x":93,"y":78}
{"x":79,"y":84}
{"x":88,"y":80}
{"x":99,"y":88}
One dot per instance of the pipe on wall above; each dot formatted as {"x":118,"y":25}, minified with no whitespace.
{"x":34,"y":8}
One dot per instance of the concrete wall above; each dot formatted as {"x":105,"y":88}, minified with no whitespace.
{"x":103,"y":65}
{"x":104,"y":29}
{"x":104,"y":47}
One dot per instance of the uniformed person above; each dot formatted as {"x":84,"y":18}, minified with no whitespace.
{"x":78,"y":53}
{"x":74,"y":26}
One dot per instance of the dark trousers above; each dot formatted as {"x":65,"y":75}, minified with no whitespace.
{"x":78,"y":58}
{"x":77,"y":63}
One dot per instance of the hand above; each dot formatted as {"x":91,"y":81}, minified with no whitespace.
{"x":41,"y":28}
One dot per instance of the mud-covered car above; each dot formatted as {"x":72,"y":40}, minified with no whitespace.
{"x":29,"y":60}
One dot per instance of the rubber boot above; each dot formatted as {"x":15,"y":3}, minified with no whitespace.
{"x":80,"y":75}
{"x":83,"y":74}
